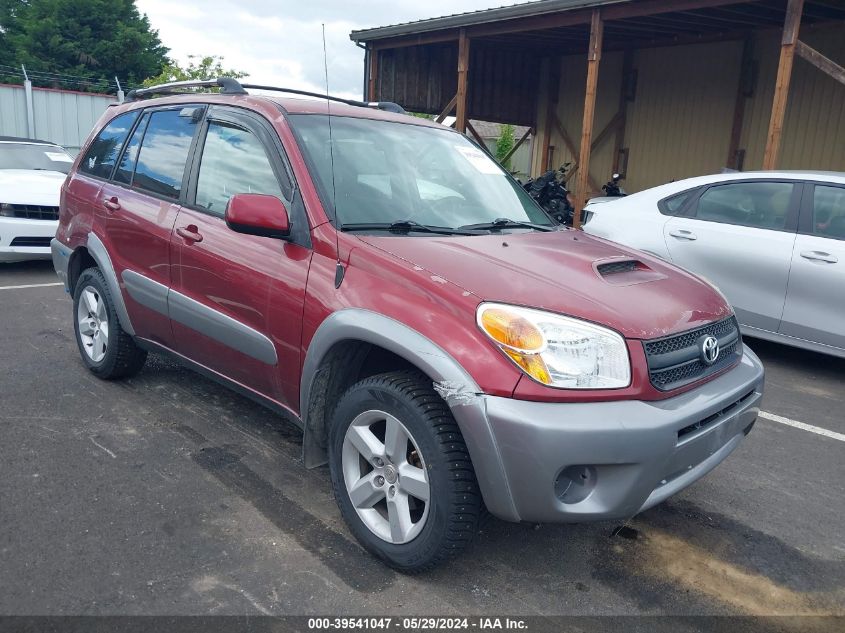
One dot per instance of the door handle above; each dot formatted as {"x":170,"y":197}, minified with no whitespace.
{"x":111,"y":204}
{"x":819,"y":256}
{"x":189,"y":233}
{"x":683,"y":234}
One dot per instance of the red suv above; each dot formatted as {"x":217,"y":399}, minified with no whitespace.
{"x":380,"y":280}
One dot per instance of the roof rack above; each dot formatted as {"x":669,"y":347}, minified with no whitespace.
{"x":234,"y":87}
{"x":229,"y":86}
{"x":387,"y":106}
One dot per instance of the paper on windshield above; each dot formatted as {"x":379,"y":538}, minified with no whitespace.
{"x":478,"y":159}
{"x":58,"y":157}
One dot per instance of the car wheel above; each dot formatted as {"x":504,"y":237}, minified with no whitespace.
{"x":106,"y":349}
{"x":401,"y":472}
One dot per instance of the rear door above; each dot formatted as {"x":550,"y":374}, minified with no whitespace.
{"x":237,"y":299}
{"x":815,"y":299}
{"x":740,"y":235}
{"x":139,"y":207}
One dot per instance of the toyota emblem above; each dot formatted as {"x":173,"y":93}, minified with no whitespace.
{"x":709,"y":350}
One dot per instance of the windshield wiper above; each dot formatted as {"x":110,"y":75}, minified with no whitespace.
{"x":405,"y":227}
{"x":505,"y":223}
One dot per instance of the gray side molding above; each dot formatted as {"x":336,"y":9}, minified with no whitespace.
{"x":98,"y":251}
{"x":470,"y":413}
{"x":200,"y":317}
{"x":221,"y":328}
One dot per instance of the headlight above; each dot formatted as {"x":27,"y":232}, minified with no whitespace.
{"x":7,"y":210}
{"x":556,"y":350}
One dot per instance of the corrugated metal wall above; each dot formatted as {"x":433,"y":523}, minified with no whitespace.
{"x":62,"y":117}
{"x":679,"y":124}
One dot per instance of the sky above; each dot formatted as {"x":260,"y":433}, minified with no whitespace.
{"x":280,"y":43}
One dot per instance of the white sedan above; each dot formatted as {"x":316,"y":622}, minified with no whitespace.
{"x":773,"y":242}
{"x":31,"y":177}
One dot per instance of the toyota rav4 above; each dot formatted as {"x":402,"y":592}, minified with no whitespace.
{"x":380,"y":280}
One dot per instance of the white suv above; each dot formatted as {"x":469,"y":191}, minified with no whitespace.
{"x":31,"y":177}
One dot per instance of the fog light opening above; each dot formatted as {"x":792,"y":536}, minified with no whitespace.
{"x":575,"y":483}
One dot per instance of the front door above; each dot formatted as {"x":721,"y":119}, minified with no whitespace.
{"x":237,"y":300}
{"x":815,"y":299}
{"x":739,"y":235}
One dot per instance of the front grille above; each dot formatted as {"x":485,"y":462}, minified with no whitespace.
{"x":675,"y":361}
{"x":31,"y":212}
{"x":709,"y":420}
{"x":31,"y":241}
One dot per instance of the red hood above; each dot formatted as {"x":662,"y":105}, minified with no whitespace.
{"x":557,"y":271}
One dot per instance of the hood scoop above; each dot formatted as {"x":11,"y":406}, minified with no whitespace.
{"x":625,"y":272}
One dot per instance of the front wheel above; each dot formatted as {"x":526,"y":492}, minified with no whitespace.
{"x":401,"y":471}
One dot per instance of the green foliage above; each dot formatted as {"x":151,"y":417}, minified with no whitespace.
{"x":206,"y":68}
{"x":86,"y":42}
{"x":421,"y":115}
{"x":504,"y":144}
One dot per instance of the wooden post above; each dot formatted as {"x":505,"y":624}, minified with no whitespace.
{"x":743,"y":91}
{"x":373,"y":75}
{"x":461,"y":113}
{"x":787,"y":55}
{"x":593,"y":59}
{"x":553,"y":86}
{"x":627,"y":73}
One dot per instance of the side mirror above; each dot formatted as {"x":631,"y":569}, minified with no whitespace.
{"x":258,"y":214}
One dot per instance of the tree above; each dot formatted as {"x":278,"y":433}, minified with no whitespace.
{"x":504,"y":144}
{"x":79,"y":44}
{"x":207,"y":68}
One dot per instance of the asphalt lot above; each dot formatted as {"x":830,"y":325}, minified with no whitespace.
{"x":167,"y":494}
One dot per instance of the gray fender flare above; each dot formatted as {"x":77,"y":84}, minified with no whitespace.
{"x":98,"y":251}
{"x":469,"y":406}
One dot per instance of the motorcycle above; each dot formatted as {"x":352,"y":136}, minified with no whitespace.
{"x":612,"y":188}
{"x":550,"y":192}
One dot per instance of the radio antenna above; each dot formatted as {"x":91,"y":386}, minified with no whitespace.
{"x":339,"y":272}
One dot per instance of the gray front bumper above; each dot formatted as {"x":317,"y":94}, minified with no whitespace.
{"x":61,"y":258}
{"x":573,"y":462}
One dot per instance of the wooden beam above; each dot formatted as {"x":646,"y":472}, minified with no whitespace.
{"x":787,"y":56}
{"x":610,"y":127}
{"x":477,"y":136}
{"x":593,"y":60}
{"x":516,"y":146}
{"x":461,"y":114}
{"x":421,"y":39}
{"x":742,"y":94}
{"x":820,"y":61}
{"x":570,"y":145}
{"x":448,"y":109}
{"x":373,"y":75}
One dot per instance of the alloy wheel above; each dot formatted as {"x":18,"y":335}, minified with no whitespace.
{"x":385,"y":476}
{"x":93,"y":323}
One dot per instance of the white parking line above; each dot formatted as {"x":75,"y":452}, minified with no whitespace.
{"x":30,"y":286}
{"x":804,"y":427}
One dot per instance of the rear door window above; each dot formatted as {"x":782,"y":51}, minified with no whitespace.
{"x":102,"y":154}
{"x":763,"y":205}
{"x":164,"y":152}
{"x":126,"y":166}
{"x":829,"y":212}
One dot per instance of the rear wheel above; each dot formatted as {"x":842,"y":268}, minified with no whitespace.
{"x":106,"y":349}
{"x":401,"y":472}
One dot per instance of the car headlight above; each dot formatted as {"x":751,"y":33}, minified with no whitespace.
{"x":7,"y":210}
{"x":556,"y":350}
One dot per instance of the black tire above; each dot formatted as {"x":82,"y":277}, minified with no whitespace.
{"x":455,"y":503}
{"x":123,"y":358}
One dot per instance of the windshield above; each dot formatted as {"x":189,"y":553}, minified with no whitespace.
{"x":34,"y":156}
{"x":386,"y":172}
